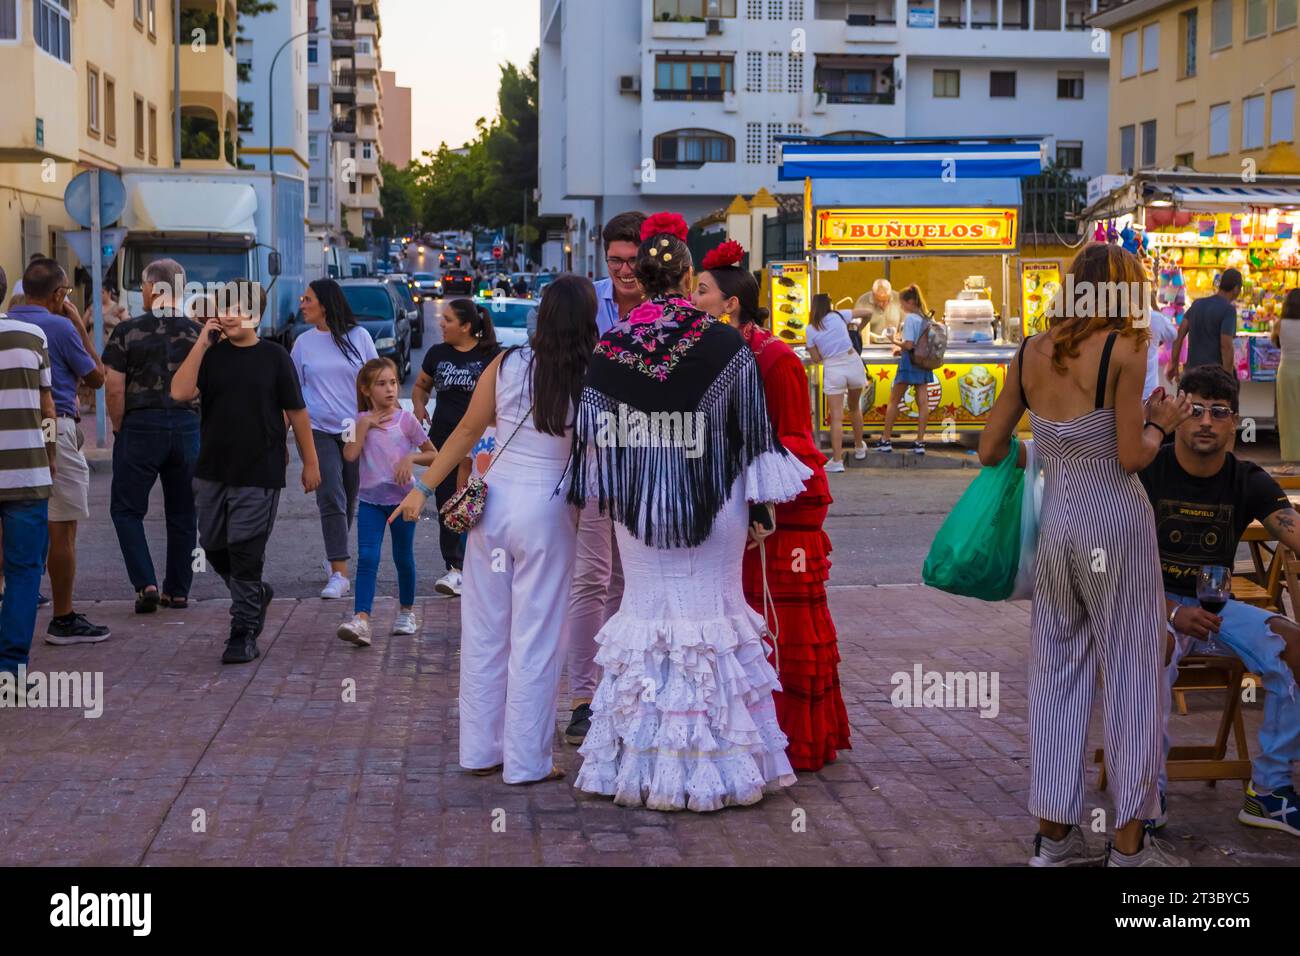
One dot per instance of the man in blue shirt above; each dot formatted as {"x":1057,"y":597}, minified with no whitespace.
{"x":619,"y":293}
{"x":72,"y":360}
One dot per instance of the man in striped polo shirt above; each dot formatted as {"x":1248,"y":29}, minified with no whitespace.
{"x":27,"y":452}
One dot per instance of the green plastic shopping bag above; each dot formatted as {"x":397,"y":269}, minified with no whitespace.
{"x":976,"y":552}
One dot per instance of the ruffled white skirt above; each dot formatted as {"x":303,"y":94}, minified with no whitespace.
{"x":683,"y":717}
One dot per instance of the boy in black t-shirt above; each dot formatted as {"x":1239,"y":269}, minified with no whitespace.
{"x":246,"y":388}
{"x":1204,"y":497}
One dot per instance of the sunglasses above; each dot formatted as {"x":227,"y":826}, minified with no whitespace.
{"x":1217,"y":412}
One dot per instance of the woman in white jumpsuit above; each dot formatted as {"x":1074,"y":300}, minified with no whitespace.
{"x":519,"y":557}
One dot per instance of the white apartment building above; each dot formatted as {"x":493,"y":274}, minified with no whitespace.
{"x":357,"y":94}
{"x":328,"y":130}
{"x":677,"y":104}
{"x":277,"y":37}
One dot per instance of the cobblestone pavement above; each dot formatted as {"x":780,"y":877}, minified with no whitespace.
{"x":264,"y":764}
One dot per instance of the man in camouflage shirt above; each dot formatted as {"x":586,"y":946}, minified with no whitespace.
{"x":154,"y":437}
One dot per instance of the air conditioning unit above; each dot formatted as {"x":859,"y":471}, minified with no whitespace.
{"x":730,"y":103}
{"x":629,"y":83}
{"x":714,"y":28}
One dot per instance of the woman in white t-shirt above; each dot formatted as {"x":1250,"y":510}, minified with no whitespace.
{"x":842,"y":373}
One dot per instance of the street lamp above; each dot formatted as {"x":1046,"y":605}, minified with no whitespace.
{"x":270,"y":132}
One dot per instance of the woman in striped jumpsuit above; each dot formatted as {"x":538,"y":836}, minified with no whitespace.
{"x":1098,"y":596}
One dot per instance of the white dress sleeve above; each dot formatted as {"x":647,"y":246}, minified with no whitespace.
{"x":774,"y":477}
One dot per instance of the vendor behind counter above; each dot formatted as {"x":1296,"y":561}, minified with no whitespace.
{"x":879,"y":313}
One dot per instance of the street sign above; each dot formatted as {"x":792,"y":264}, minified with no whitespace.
{"x":112,"y":198}
{"x":79,"y":240}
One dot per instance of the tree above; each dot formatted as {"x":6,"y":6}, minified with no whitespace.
{"x":251,"y":8}
{"x":398,"y":197}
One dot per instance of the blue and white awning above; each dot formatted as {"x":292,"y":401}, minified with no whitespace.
{"x":1237,"y":196}
{"x":911,"y":160}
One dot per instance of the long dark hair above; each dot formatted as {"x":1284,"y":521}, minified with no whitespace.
{"x":662,"y":262}
{"x":339,"y":319}
{"x":1291,"y":305}
{"x":480,"y":323}
{"x":735,"y":281}
{"x":821,"y":307}
{"x":562,"y":348}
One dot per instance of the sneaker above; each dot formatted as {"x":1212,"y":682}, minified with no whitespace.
{"x":405,"y":623}
{"x":576,"y":732}
{"x":881,"y":445}
{"x":267,"y":595}
{"x":75,"y":629}
{"x":355,"y":631}
{"x":450,"y":583}
{"x":337,"y":587}
{"x":1154,"y":852}
{"x":1279,"y":810}
{"x":1160,"y":821}
{"x":41,"y":600}
{"x":1070,"y":851}
{"x":860,"y":452}
{"x":241,"y":648}
{"x":918,"y":448}
{"x":834,"y":467}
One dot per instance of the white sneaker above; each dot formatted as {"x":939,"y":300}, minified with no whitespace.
{"x":355,"y":631}
{"x":833,"y":467}
{"x":337,"y":587}
{"x":450,"y":583}
{"x":405,"y":623}
{"x":860,"y":453}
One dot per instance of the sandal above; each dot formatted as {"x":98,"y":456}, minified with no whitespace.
{"x":487,"y":771}
{"x":146,"y":601}
{"x":555,"y":774}
{"x":175,"y":603}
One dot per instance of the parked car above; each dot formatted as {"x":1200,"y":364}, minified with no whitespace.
{"x":413,"y":299}
{"x":513,"y":319}
{"x":380,"y":310}
{"x":457,"y":282}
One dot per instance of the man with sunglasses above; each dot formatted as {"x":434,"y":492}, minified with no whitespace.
{"x":72,"y":361}
{"x":1204,"y":497}
{"x":597,"y":574}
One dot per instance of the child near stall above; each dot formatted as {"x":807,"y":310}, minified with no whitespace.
{"x":390,"y":442}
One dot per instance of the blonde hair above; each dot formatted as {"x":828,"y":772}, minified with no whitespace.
{"x":366,"y":379}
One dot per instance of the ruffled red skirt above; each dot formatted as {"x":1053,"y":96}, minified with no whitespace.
{"x":809,"y":706}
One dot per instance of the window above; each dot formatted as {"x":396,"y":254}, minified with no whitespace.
{"x":110,"y":110}
{"x":367,"y":150}
{"x":1284,"y":14}
{"x":313,"y":54}
{"x":1220,"y":125}
{"x":1069,"y":155}
{"x":696,"y":9}
{"x":52,"y":28}
{"x":153,"y":134}
{"x":692,"y":77}
{"x":795,"y":81}
{"x":773,"y":147}
{"x":313,"y":147}
{"x":139,"y":127}
{"x":138,"y":12}
{"x":1252,"y":122}
{"x":947,"y":84}
{"x":1069,"y":85}
{"x":314,"y":192}
{"x":753,"y":143}
{"x":1128,"y":55}
{"x":1256,"y":18}
{"x":754,"y":71}
{"x":151,"y":21}
{"x":313,"y":98}
{"x":775,"y":72}
{"x":92,"y":101}
{"x":1282,"y":125}
{"x":1002,"y":83}
{"x":1148,"y":144}
{"x":1127,"y":148}
{"x":855,"y":80}
{"x":1187,"y":42}
{"x":8,"y":19}
{"x":1150,"y":47}
{"x":1221,"y":24}
{"x":690,"y":148}
{"x":363,"y":46}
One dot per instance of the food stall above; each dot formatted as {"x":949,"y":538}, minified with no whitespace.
{"x":1196,"y":225}
{"x":891,"y":200}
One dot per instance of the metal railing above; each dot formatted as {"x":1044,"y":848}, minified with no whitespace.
{"x":1051,"y":203}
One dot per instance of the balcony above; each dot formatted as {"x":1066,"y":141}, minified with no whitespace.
{"x":368,"y":28}
{"x":367,"y":96}
{"x":343,"y":84}
{"x":367,"y":167}
{"x":344,"y":128}
{"x":695,"y":96}
{"x":361,"y":200}
{"x":680,"y":29}
{"x":34,"y":110}
{"x":209,"y":78}
{"x":367,"y":132}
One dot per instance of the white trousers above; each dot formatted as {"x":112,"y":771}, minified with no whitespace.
{"x":597,"y":592}
{"x":518,"y":571}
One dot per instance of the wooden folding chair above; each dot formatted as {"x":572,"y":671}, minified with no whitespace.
{"x":1208,"y":762}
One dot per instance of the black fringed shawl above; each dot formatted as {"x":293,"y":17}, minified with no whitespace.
{"x":668,"y":357}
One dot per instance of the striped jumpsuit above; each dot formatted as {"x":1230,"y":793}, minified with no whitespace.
{"x":1098,"y":605}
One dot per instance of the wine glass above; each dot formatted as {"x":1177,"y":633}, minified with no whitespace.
{"x":1213,"y":588}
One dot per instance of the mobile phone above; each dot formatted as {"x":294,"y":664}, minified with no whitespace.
{"x":213,"y":337}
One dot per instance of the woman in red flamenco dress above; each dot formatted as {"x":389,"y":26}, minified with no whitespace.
{"x":809,"y":706}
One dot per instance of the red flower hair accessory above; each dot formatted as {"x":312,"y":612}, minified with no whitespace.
{"x":730,"y":253}
{"x":665,"y":223}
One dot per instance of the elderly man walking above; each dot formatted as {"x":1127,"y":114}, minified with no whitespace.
{"x":155,"y":437}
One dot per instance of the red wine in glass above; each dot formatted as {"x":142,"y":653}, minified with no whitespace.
{"x":1213,"y":604}
{"x":1213,"y":587}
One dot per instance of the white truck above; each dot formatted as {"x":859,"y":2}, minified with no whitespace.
{"x":218,"y":225}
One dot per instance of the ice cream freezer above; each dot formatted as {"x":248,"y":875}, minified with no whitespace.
{"x":961,"y":396}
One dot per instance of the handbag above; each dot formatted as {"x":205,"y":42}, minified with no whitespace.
{"x":464,"y":509}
